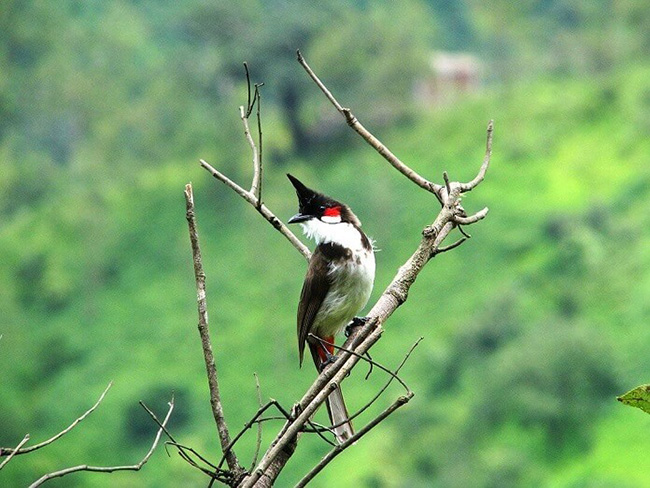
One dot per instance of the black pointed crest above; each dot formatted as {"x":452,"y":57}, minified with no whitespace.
{"x":305,"y":195}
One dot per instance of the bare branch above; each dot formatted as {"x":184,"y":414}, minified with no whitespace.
{"x":462,"y":231}
{"x":249,"y":106}
{"x":480,"y":215}
{"x":5,"y":451}
{"x":13,"y":451}
{"x":255,"y":186}
{"x":258,"y":445}
{"x":450,"y":247}
{"x":214,"y":472}
{"x":271,"y":403}
{"x":258,"y":171}
{"x":254,"y":196}
{"x":401,"y":401}
{"x":108,"y":469}
{"x":262,"y":209}
{"x":465,"y":187}
{"x":245,"y":194}
{"x":445,"y":177}
{"x":210,"y":366}
{"x":353,"y":122}
{"x":393,"y":375}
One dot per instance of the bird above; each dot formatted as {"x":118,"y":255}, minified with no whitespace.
{"x":337,"y":285}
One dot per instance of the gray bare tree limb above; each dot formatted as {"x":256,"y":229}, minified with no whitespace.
{"x":204,"y":332}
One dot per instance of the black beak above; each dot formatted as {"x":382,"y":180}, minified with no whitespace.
{"x":298,"y":218}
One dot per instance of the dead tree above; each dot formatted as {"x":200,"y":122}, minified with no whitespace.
{"x":451,"y":216}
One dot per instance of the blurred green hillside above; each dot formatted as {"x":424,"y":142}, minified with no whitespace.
{"x":530,"y":329}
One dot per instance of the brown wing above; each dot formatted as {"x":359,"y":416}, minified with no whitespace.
{"x":314,"y":289}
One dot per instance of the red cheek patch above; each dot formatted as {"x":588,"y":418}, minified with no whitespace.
{"x":332,"y":212}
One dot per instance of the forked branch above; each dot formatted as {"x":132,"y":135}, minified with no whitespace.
{"x":18,"y":450}
{"x":108,"y":469}
{"x":254,"y":195}
{"x":13,"y":452}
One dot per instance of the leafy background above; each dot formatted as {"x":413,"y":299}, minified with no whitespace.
{"x":531,"y":328}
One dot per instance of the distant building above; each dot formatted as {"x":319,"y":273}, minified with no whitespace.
{"x":452,"y":75}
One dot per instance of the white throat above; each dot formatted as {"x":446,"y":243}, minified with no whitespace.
{"x":342,"y":233}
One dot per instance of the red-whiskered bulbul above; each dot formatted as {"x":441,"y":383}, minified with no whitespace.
{"x":337,"y":285}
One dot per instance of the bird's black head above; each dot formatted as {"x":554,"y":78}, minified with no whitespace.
{"x":312,"y":204}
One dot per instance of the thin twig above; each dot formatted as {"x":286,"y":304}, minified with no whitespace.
{"x":445,"y":177}
{"x":216,"y":473}
{"x":262,"y":209}
{"x":252,"y":421}
{"x":367,"y":136}
{"x":5,"y":451}
{"x":14,"y":451}
{"x":465,"y":187}
{"x":480,"y":215}
{"x":393,"y":376}
{"x":249,"y":107}
{"x":259,"y":170}
{"x":107,"y":469}
{"x":390,"y":380}
{"x":204,"y":332}
{"x":462,"y":231}
{"x":370,"y":366}
{"x":440,"y":250}
{"x":258,"y":444}
{"x":256,"y":185}
{"x":256,"y":162}
{"x":338,"y":449}
{"x":364,"y":358}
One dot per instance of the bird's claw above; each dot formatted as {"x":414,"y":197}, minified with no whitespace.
{"x":356,"y":322}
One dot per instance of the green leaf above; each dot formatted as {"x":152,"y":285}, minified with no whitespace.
{"x":639,"y":397}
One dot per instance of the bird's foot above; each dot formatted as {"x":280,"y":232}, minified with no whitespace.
{"x":356,"y":322}
{"x":329,"y":359}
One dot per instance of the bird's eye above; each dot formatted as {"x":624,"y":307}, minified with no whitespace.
{"x":322,"y":207}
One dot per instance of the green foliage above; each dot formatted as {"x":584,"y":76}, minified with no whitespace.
{"x":530,"y":327}
{"x":638,"y":397}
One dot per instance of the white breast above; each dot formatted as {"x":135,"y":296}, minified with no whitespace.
{"x":352,"y":279}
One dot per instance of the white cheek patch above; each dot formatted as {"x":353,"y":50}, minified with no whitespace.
{"x":331,"y":219}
